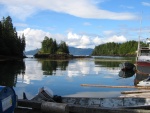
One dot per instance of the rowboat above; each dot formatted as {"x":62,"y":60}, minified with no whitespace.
{"x":48,"y":103}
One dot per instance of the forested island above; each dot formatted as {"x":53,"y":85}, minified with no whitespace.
{"x":11,"y":45}
{"x":51,"y":49}
{"x":128,"y":48}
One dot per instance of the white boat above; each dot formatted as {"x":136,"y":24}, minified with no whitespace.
{"x":145,"y":82}
{"x":143,"y":54}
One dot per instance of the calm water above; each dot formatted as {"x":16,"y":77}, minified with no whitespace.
{"x":64,"y":77}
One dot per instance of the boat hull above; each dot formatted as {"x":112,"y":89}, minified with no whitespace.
{"x":143,"y":69}
{"x":142,"y":63}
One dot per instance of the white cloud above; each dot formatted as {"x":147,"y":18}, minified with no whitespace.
{"x":84,"y":41}
{"x":97,"y":41}
{"x":83,"y":8}
{"x":116,"y":38}
{"x":34,"y":37}
{"x":146,"y":3}
{"x":79,"y":41}
{"x":73,"y":36}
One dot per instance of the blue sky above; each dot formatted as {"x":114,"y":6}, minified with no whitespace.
{"x":80,"y":23}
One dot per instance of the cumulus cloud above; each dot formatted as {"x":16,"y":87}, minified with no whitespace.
{"x":34,"y":37}
{"x":116,"y":38}
{"x":83,"y":8}
{"x":79,"y":41}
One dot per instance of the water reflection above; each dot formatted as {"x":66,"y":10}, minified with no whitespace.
{"x":9,"y":71}
{"x":68,"y":77}
{"x":141,"y":73}
{"x":126,"y":73}
{"x":107,"y":63}
{"x":50,"y":67}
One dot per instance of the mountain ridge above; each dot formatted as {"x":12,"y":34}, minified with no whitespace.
{"x":72,"y":50}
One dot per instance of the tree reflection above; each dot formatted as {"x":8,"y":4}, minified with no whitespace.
{"x":9,"y":71}
{"x":50,"y":67}
{"x":126,"y":73}
{"x":107,"y":64}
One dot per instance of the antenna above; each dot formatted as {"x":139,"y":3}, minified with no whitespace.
{"x":140,"y":31}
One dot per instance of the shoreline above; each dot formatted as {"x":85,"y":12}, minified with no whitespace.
{"x":10,"y":58}
{"x":59,"y":56}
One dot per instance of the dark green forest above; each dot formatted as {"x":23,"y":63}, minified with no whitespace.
{"x":10,"y":43}
{"x":50,"y":46}
{"x":116,"y":49}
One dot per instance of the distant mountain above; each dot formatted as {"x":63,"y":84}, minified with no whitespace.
{"x":80,"y":51}
{"x":31,"y":52}
{"x":72,"y":50}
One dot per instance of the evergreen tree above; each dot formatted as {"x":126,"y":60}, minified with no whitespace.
{"x":63,"y":48}
{"x":50,"y":46}
{"x":10,"y":43}
{"x":23,"y":43}
{"x":55,"y":46}
{"x":111,"y":48}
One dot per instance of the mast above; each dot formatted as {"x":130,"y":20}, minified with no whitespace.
{"x":138,"y":50}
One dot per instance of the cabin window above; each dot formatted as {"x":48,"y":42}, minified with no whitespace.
{"x":145,"y":52}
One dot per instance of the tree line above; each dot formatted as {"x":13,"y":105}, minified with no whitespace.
{"x":50,"y":46}
{"x":116,"y":49}
{"x":10,"y":43}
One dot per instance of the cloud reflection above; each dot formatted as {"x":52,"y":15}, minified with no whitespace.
{"x":85,"y":68}
{"x":32,"y":72}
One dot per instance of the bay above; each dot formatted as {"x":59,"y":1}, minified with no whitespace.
{"x":64,"y":77}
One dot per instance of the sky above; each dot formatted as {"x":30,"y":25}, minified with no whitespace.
{"x":80,"y":23}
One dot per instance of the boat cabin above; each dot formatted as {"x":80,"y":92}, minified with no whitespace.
{"x":145,"y":52}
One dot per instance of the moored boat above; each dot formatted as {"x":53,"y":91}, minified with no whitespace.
{"x":143,"y":54}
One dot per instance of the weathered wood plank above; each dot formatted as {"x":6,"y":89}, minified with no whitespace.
{"x":107,"y":86}
{"x":136,"y":91}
